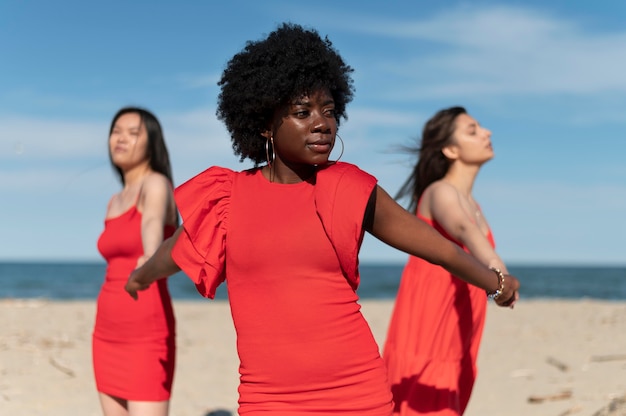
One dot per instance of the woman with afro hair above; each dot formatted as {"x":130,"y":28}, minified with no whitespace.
{"x":285,"y":235}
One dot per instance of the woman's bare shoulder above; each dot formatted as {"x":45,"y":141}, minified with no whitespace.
{"x":156,"y":179}
{"x":439,"y":191}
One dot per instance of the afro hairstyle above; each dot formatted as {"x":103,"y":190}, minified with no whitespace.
{"x":270,"y":73}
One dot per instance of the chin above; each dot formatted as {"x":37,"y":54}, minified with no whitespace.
{"x":318,"y":161}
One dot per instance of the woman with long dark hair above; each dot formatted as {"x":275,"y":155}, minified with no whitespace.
{"x":134,"y":342}
{"x":438,"y":318}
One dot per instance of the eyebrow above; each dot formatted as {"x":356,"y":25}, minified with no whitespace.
{"x":308,"y":102}
{"x":117,"y":126}
{"x":301,"y":99}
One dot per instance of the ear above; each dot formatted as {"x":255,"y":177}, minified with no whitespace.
{"x":267,"y":134}
{"x":450,"y":152}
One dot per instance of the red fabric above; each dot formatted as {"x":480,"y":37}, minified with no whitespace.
{"x":303,"y":343}
{"x":433,"y":339}
{"x":133,"y":341}
{"x":203,"y":203}
{"x":335,"y":201}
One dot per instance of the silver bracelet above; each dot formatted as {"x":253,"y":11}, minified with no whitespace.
{"x":495,"y":295}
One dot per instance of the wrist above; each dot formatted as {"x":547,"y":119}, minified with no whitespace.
{"x":496,"y":293}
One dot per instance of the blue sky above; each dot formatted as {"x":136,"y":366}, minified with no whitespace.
{"x":546,"y":77}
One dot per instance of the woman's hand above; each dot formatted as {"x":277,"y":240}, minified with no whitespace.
{"x":510,"y":293}
{"x":158,"y":266}
{"x":133,"y":285}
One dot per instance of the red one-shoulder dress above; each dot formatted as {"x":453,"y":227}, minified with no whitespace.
{"x":133,"y":344}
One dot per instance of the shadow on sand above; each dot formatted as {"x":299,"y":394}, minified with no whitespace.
{"x":219,"y":412}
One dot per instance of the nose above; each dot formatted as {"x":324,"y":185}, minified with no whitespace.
{"x":120,"y":139}
{"x":124,"y":137}
{"x":321,"y":123}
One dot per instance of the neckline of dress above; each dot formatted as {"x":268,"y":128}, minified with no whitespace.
{"x":132,"y":207}
{"x":263,"y":179}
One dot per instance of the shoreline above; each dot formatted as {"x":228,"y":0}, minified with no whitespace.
{"x":545,"y":357}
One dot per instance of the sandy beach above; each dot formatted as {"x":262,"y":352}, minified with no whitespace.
{"x":545,"y":357}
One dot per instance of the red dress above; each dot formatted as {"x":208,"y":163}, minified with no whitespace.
{"x":433,"y":338}
{"x":289,"y":255}
{"x":133,"y":340}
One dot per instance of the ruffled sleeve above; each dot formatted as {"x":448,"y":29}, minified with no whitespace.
{"x":203,"y":202}
{"x":342,"y":191}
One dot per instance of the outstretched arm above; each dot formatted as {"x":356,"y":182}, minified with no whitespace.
{"x":444,"y":206}
{"x":400,"y":229}
{"x":159,"y":266}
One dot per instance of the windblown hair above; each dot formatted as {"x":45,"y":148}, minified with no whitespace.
{"x":269,"y":74}
{"x":431,"y":163}
{"x":156,"y":150}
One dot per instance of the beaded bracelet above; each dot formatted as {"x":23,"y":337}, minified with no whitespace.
{"x":495,"y":295}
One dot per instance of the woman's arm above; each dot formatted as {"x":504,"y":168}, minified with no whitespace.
{"x":158,"y":266}
{"x":154,"y":201}
{"x":443,"y":204}
{"x":400,"y":229}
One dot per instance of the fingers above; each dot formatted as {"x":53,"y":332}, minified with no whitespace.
{"x":508,"y":295}
{"x":510,"y":302}
{"x":131,"y":291}
{"x":512,"y":288}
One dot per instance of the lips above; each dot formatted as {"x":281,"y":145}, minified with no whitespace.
{"x":322,"y":146}
{"x":119,"y":149}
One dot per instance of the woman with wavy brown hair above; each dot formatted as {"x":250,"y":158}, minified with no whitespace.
{"x":437,"y":322}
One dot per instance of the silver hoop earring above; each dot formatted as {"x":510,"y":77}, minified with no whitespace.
{"x":267,"y":151}
{"x":269,"y":142}
{"x":342,"y":147}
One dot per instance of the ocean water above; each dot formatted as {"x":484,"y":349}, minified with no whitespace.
{"x":81,"y":281}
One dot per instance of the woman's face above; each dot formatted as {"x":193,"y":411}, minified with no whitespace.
{"x":471,"y":143}
{"x":128,"y":142}
{"x":304,"y":132}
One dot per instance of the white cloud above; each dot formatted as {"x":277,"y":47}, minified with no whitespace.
{"x":503,"y":50}
{"x":191,"y":81}
{"x":364,"y":118}
{"x":46,"y":180}
{"x":22,"y":136}
{"x":471,"y":26}
{"x":31,"y":146}
{"x":196,"y":130}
